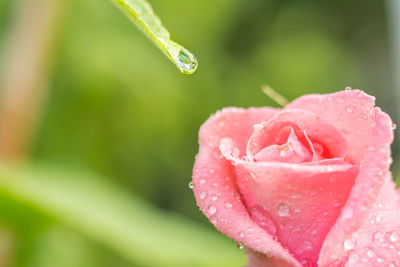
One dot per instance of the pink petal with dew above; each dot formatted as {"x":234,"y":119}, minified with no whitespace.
{"x":215,"y":186}
{"x":350,"y":111}
{"x":374,"y":168}
{"x":377,"y":242}
{"x":302,"y":201}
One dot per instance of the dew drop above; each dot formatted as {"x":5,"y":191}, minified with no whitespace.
{"x":296,"y":196}
{"x":349,"y":109}
{"x":336,"y":203}
{"x":378,"y":218}
{"x":214,"y":220}
{"x":307,"y":245}
{"x":283,"y":210}
{"x":187,"y":62}
{"x":228,"y":205}
{"x":347,"y":213}
{"x":353,"y":258}
{"x":202,"y":181}
{"x":348,"y":88}
{"x":370,"y":253}
{"x":190,"y":184}
{"x":349,"y":244}
{"x":394,"y":126}
{"x":235,"y":152}
{"x":212,"y":209}
{"x":380,"y":260}
{"x":239,"y":246}
{"x":203,"y":194}
{"x":214,"y":198}
{"x":211,"y":171}
{"x":394,"y":236}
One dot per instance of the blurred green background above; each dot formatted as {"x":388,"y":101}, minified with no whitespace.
{"x":102,"y":179}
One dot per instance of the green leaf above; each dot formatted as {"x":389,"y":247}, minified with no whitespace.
{"x":140,"y":12}
{"x":111,"y":216}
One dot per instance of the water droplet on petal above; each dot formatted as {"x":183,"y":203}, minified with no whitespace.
{"x":283,"y":210}
{"x":394,"y":126}
{"x":371,"y":253}
{"x":203,"y":194}
{"x":394,"y":236}
{"x":214,"y":220}
{"x":349,"y":244}
{"x":349,"y":109}
{"x":239,"y":246}
{"x":353,"y":258}
{"x":235,"y":152}
{"x":348,"y":88}
{"x":307,"y":245}
{"x":228,"y":205}
{"x":296,"y":196}
{"x":190,"y":185}
{"x":214,"y":198}
{"x":211,"y":171}
{"x":212,"y":209}
{"x":336,"y":203}
{"x":347,"y":213}
{"x":202,"y":181}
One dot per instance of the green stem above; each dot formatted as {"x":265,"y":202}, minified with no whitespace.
{"x":141,"y":13}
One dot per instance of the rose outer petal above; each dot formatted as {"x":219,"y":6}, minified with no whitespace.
{"x":374,"y":169}
{"x":215,"y":187}
{"x":377,"y":242}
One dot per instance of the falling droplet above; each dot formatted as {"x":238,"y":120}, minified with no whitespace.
{"x":187,"y":62}
{"x":283,"y":210}
{"x":239,"y":246}
{"x":190,"y":185}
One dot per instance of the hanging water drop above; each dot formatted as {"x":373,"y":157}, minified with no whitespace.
{"x":190,"y":184}
{"x":187,"y":62}
{"x":239,"y":246}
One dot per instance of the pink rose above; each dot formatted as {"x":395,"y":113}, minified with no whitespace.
{"x":307,"y":185}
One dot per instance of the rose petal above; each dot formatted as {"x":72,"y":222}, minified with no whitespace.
{"x":302,"y":200}
{"x":351,"y":111}
{"x":373,"y":170}
{"x":377,"y":242}
{"x":256,"y":259}
{"x":215,"y":186}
